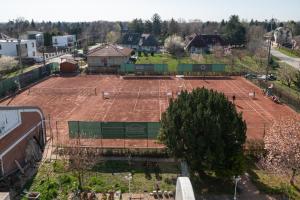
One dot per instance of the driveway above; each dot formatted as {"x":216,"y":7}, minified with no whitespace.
{"x":295,"y":62}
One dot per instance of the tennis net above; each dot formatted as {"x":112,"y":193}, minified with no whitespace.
{"x":241,"y":96}
{"x":62,"y":91}
{"x":139,"y":95}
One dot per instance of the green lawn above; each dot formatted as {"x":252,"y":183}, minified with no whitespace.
{"x":164,"y":59}
{"x":18,"y":72}
{"x":103,"y":177}
{"x":289,"y":52}
{"x":271,"y":183}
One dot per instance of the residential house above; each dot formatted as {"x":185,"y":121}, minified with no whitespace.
{"x":202,"y":43}
{"x":63,"y":40}
{"x":283,"y":37}
{"x":10,"y":47}
{"x":34,"y":35}
{"x":22,"y":138}
{"x":140,"y":42}
{"x":108,"y":55}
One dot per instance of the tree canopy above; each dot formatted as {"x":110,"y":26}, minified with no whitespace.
{"x":234,"y":31}
{"x":204,"y":128}
{"x":174,"y":45}
{"x":282,"y":143}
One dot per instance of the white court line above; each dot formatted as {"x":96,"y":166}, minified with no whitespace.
{"x":104,"y":116}
{"x":102,"y":105}
{"x":230,"y":87}
{"x":264,"y":110}
{"x":137,"y":99}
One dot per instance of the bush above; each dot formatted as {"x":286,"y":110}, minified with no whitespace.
{"x":7,"y":64}
{"x":296,"y":80}
{"x":58,"y":167}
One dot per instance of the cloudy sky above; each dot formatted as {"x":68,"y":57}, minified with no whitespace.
{"x":126,"y":10}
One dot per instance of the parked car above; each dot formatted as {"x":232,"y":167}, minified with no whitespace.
{"x":250,"y":76}
{"x":270,"y":77}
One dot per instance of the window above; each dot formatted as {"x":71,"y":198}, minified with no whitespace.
{"x":32,"y":44}
{"x":0,"y":47}
{"x":33,"y":53}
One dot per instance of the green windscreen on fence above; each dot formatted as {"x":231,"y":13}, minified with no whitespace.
{"x":114,"y":130}
{"x":187,"y":68}
{"x":8,"y":85}
{"x":20,"y":81}
{"x":144,"y":68}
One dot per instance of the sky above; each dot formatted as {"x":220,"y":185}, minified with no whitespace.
{"x":127,"y":10}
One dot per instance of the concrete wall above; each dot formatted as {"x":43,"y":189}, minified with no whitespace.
{"x":111,"y":61}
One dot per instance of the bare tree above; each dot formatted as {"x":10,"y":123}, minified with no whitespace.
{"x":81,"y":159}
{"x":282,"y":144}
{"x":256,"y":44}
{"x":287,"y":74}
{"x":261,"y":58}
{"x":218,"y":51}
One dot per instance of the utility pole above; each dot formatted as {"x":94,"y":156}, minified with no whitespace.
{"x":20,"y":54}
{"x":269,"y":49}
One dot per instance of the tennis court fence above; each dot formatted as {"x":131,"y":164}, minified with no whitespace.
{"x":113,"y":130}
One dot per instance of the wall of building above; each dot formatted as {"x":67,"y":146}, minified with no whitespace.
{"x":31,"y":48}
{"x":9,"y":119}
{"x":14,"y":144}
{"x":63,"y":41}
{"x":111,"y":61}
{"x":9,"y":48}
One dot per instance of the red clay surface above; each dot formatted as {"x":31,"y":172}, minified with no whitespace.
{"x":84,"y":101}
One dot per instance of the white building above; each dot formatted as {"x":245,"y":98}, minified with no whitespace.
{"x":63,"y":41}
{"x":283,"y":36}
{"x":10,"y":47}
{"x":34,"y":35}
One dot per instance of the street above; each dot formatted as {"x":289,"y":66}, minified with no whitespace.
{"x":295,"y":62}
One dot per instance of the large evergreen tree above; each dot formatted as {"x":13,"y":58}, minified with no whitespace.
{"x":204,"y":128}
{"x":136,"y":26}
{"x":234,"y":31}
{"x":173,"y":27}
{"x":156,"y":25}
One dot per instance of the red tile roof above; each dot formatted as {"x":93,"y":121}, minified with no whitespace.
{"x":110,"y":50}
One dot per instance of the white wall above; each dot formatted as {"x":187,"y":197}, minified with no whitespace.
{"x":9,"y":119}
{"x":63,"y":41}
{"x":9,"y":48}
{"x":31,"y":48}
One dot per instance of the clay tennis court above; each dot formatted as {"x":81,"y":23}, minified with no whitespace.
{"x":119,"y":99}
